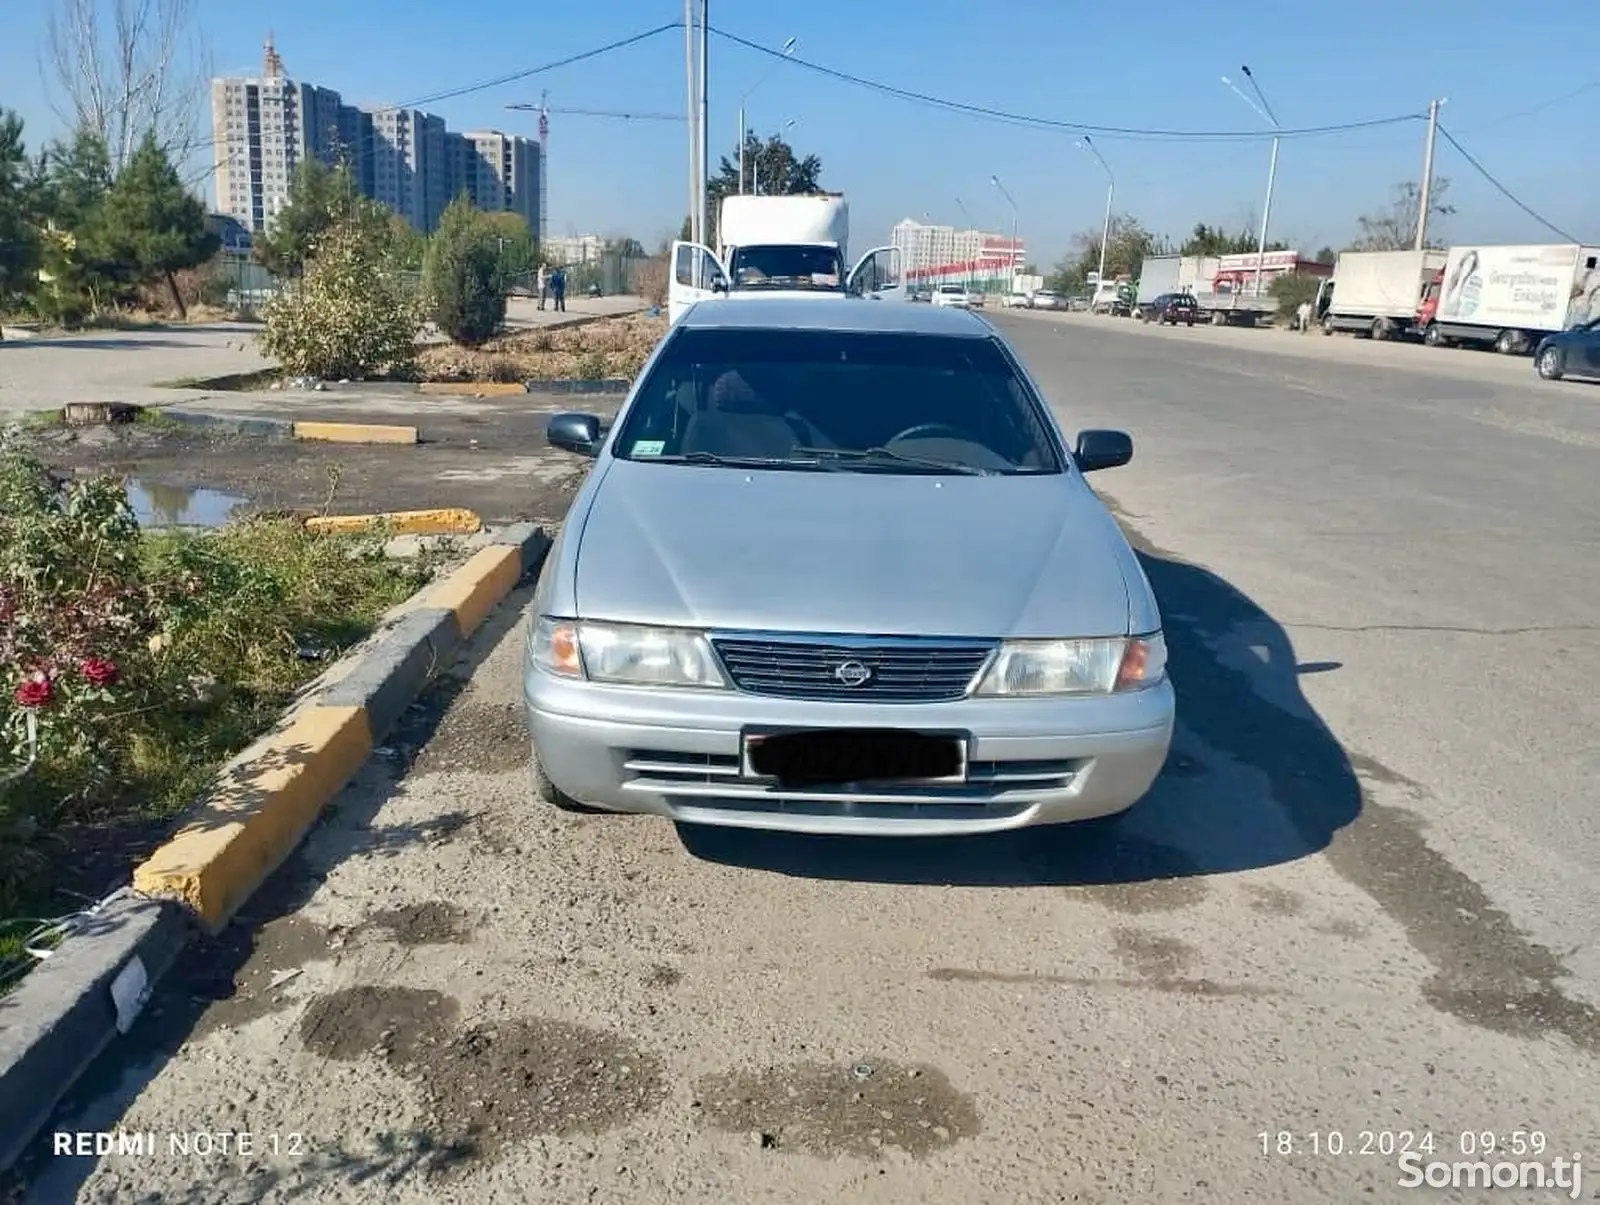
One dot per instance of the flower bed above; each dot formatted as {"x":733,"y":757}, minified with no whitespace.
{"x":134,"y":663}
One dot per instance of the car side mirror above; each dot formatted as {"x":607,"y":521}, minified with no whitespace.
{"x":579,"y":433}
{"x":719,"y":285}
{"x":1102,"y":450}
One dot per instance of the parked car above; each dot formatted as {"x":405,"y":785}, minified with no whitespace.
{"x":955,"y":639}
{"x":1570,"y":353}
{"x":1170,"y":309}
{"x":952,"y":295}
{"x":1045,"y":299}
{"x":1017,"y":301}
{"x":975,"y":299}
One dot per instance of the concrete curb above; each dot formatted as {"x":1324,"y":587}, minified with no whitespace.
{"x":63,"y":1014}
{"x":355,"y":433}
{"x":234,"y":424}
{"x":269,"y":795}
{"x":288,"y":428}
{"x":609,"y":385}
{"x":449,"y":521}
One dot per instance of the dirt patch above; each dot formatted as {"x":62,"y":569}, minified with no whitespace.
{"x":1347,"y":929}
{"x":281,"y":948}
{"x":1274,"y":901}
{"x":826,"y":1110}
{"x":1167,"y":984}
{"x":430,"y":923}
{"x":1153,"y":954}
{"x":662,"y":976}
{"x":477,"y":737}
{"x":608,"y":348}
{"x":494,"y":1084}
{"x":1157,"y":895}
{"x":402,"y":1024}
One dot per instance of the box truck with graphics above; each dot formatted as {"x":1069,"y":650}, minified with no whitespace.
{"x":1510,"y":296}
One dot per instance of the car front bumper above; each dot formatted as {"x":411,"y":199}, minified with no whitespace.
{"x":677,"y":753}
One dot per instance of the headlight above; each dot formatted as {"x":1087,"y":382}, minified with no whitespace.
{"x":1076,"y":667}
{"x":624,"y":653}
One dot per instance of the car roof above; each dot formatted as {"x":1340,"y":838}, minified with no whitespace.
{"x":832,"y":314}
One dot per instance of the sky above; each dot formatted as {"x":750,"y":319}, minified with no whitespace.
{"x":1529,"y":116}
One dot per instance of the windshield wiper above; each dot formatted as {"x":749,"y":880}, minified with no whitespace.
{"x":893,"y":457}
{"x":738,"y":462}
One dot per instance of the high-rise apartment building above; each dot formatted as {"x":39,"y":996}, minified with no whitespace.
{"x":935,"y":255}
{"x":264,"y":126}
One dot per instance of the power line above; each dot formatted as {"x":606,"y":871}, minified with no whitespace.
{"x":483,"y":86}
{"x":1022,"y":119}
{"x":1503,"y":190}
{"x":1537,"y":109}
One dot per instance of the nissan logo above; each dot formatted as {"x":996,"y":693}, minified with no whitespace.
{"x":853,"y":673}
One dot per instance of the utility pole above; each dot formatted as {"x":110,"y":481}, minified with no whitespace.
{"x":693,"y":111}
{"x":1426,"y":191}
{"x":1264,"y":111}
{"x":704,"y":176}
{"x":1105,"y":231}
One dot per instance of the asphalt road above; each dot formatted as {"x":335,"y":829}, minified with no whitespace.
{"x":1354,"y":908}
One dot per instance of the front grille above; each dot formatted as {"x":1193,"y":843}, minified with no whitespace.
{"x":903,"y":670}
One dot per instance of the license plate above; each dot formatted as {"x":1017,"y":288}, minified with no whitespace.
{"x":823,"y":757}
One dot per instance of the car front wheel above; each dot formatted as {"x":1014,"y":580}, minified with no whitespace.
{"x":1550,"y":367}
{"x":547,"y":792}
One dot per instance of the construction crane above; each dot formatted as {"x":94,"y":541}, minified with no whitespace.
{"x":544,"y":110}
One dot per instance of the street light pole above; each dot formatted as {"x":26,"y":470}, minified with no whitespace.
{"x":693,"y":111}
{"x":788,"y":49}
{"x":995,"y":180}
{"x":1111,"y":187}
{"x":1266,"y":113}
{"x":970,"y":226}
{"x":705,"y":123}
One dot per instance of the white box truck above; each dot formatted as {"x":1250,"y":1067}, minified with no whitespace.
{"x":1377,"y":293}
{"x":781,"y":246}
{"x":1511,"y":296}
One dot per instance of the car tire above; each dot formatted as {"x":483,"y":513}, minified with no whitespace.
{"x":1327,"y":326}
{"x":1507,"y":343}
{"x":1432,"y":336}
{"x":548,"y":793}
{"x":1549,"y":364}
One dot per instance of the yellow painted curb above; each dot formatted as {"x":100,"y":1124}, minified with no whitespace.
{"x":262,"y":804}
{"x":355,"y":433}
{"x":476,"y":588}
{"x":474,"y":388}
{"x":448,"y":521}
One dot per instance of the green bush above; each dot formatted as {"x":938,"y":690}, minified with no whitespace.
{"x":1291,"y":289}
{"x":350,"y":315}
{"x":462,"y":277}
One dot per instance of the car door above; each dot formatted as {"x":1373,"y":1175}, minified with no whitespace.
{"x":697,"y":273}
{"x":878,"y":275}
{"x":1589,"y":348}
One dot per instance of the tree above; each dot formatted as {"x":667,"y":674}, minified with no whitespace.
{"x":461,"y":275}
{"x":513,"y":244}
{"x":78,"y":176}
{"x":1326,"y":255}
{"x":149,"y":222}
{"x":128,"y":69}
{"x":1395,"y":228}
{"x":349,"y":315}
{"x":19,"y":243}
{"x":771,"y":169}
{"x":1214,"y":240}
{"x":1126,"y":250}
{"x":320,"y":197}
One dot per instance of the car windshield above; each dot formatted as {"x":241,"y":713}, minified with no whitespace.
{"x":787,"y":267}
{"x":849,"y":401}
{"x":951,"y":289}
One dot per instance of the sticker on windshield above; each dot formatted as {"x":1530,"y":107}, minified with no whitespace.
{"x":648,"y":447}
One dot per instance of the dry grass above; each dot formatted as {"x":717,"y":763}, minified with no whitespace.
{"x":611,"y":347}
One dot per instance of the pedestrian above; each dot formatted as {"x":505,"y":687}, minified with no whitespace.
{"x":544,"y":285}
{"x":1303,"y":317}
{"x":558,"y":286}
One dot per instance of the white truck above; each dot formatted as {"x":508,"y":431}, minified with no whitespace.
{"x":1510,"y":296}
{"x":782,"y":246}
{"x":1377,"y":293}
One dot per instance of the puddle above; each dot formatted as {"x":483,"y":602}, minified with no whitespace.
{"x":158,"y":505}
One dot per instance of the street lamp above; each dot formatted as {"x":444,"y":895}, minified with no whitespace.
{"x":1264,"y":111}
{"x":1111,"y":188}
{"x":971,"y":225}
{"x":788,"y":49}
{"x":995,"y":180}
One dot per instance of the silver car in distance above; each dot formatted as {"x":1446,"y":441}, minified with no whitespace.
{"x":834,"y":570}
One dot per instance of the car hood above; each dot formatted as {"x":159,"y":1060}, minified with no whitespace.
{"x":847,"y":552}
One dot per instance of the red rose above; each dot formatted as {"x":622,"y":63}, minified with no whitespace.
{"x":33,"y":692}
{"x":97,"y":671}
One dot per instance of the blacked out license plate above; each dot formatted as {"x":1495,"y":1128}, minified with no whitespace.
{"x":855,"y":756}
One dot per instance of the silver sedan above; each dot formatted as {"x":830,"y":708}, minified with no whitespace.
{"x":835,"y":570}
